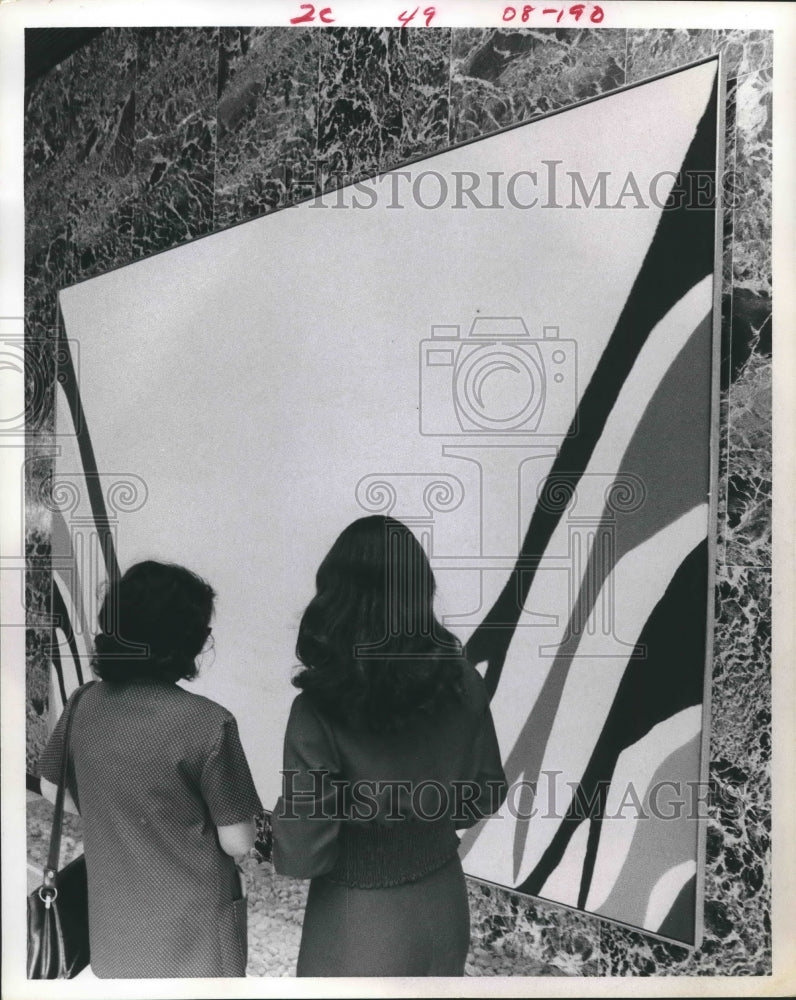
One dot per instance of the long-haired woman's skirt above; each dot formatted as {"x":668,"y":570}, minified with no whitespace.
{"x":418,"y":929}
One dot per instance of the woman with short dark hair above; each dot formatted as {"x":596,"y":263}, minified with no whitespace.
{"x":389,"y":748}
{"x":161,"y":781}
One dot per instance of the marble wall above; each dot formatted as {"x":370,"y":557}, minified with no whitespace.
{"x":147,"y":138}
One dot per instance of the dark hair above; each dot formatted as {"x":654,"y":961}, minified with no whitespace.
{"x":375,"y":657}
{"x":153,"y":623}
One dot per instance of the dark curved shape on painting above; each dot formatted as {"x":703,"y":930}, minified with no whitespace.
{"x":62,"y":542}
{"x":659,"y":845}
{"x":67,"y":378}
{"x":61,"y":611}
{"x":679,"y":921}
{"x":668,"y":680}
{"x":59,"y":667}
{"x":669,"y":453}
{"x":680,"y":255}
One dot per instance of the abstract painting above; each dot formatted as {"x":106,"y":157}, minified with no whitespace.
{"x":510,"y":346}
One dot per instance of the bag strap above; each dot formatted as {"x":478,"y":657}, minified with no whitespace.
{"x":55,"y":837}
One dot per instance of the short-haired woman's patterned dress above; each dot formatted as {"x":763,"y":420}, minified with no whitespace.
{"x":154,"y":769}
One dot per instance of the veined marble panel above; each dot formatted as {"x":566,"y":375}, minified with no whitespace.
{"x":657,"y":50}
{"x":383,"y":99}
{"x":752,"y":242}
{"x":749,"y":466}
{"x":745,"y":51}
{"x":517,"y":936}
{"x":501,"y":77}
{"x":96,"y":172}
{"x":175,"y":136}
{"x":267,"y":120}
{"x":37,"y":680}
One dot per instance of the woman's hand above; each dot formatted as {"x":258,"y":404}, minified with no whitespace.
{"x":237,"y":839}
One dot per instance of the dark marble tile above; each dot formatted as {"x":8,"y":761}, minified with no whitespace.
{"x":730,"y":116}
{"x":94,"y":172}
{"x":752,"y":225}
{"x":753,"y":124}
{"x":105,"y":243}
{"x":48,"y":154}
{"x":47,"y":253}
{"x":41,"y":287}
{"x":737,"y":887}
{"x":749,"y":465}
{"x":175,"y":137}
{"x":745,"y":51}
{"x":741,"y":667}
{"x":46,"y":165}
{"x":48,"y":119}
{"x":37,"y":645}
{"x":628,"y":953}
{"x":267,"y":120}
{"x":751,"y":328}
{"x":38,"y":601}
{"x":518,"y":936}
{"x":177,"y":78}
{"x":41,"y":297}
{"x":752,"y":241}
{"x":425,"y":103}
{"x":738,"y":869}
{"x":745,"y":313}
{"x":501,"y":77}
{"x":752,"y":263}
{"x":383,"y":98}
{"x":40,"y":353}
{"x":657,"y":50}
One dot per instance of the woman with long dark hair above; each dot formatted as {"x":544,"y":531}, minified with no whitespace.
{"x":389,"y":748}
{"x":161,"y":781}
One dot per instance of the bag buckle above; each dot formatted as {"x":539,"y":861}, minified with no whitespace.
{"x":48,"y":895}
{"x":48,"y":892}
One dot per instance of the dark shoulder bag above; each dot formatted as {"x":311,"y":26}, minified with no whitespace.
{"x":58,"y":909}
